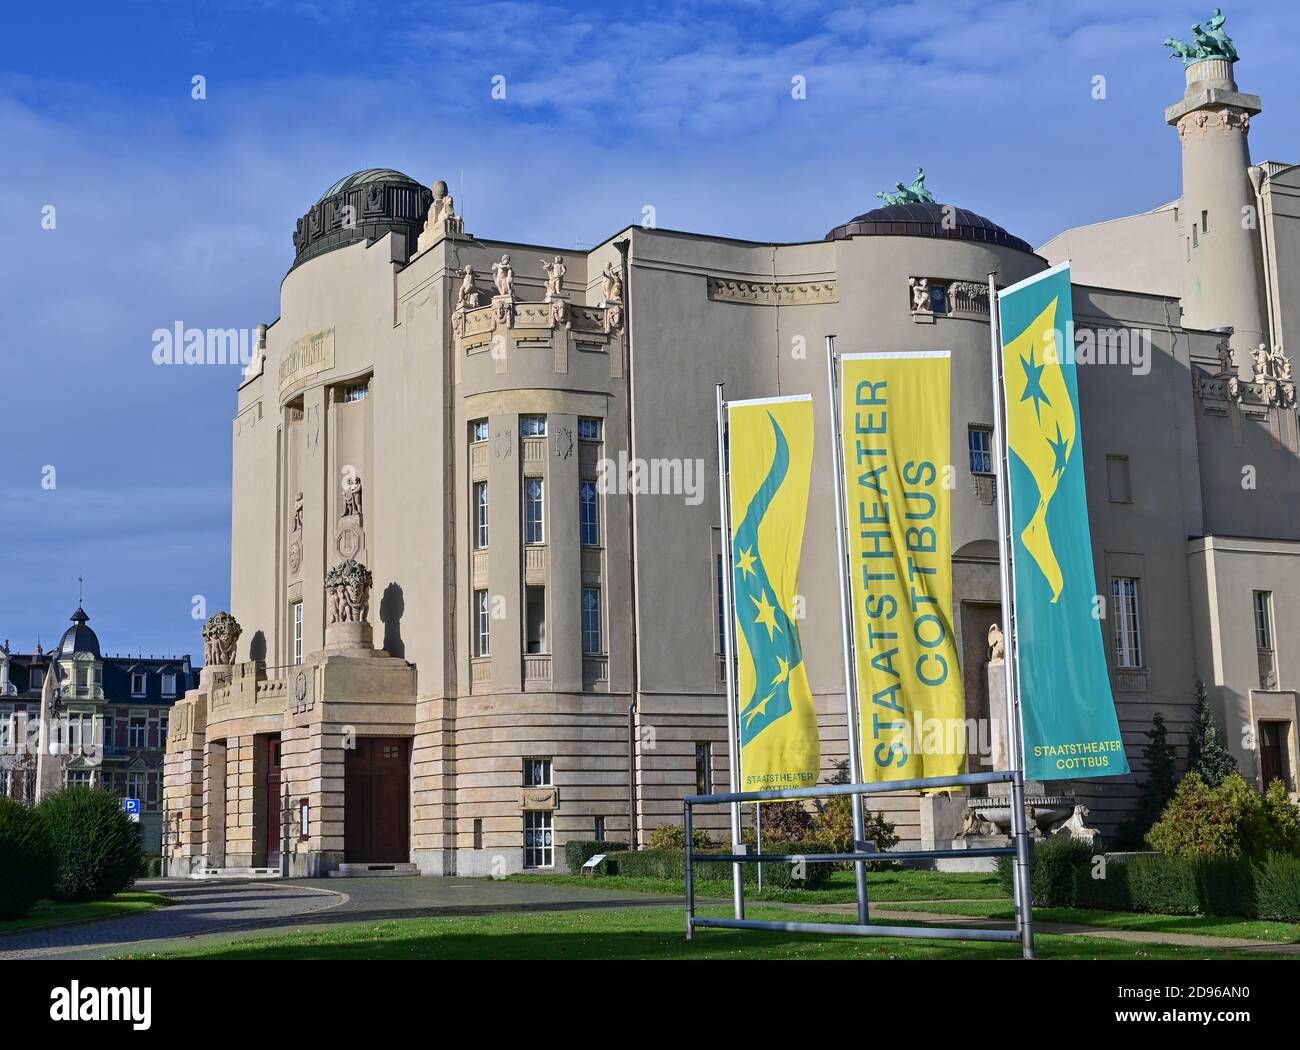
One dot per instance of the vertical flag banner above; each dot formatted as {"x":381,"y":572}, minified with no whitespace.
{"x":895,"y":412}
{"x":1068,"y":712}
{"x":770,"y":444}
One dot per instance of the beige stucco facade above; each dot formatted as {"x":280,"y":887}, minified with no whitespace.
{"x":378,"y":368}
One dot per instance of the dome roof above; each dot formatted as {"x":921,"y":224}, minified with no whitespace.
{"x":926,"y":220}
{"x":359,"y":178}
{"x":79,"y":638}
{"x":362,"y":208}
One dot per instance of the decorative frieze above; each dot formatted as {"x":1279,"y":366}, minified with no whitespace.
{"x":772,"y":293}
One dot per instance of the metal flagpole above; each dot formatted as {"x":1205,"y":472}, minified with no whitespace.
{"x":1015,"y":740}
{"x":846,"y":628}
{"x":729,"y":647}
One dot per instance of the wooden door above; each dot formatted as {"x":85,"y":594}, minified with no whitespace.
{"x":272,"y":802}
{"x":1273,"y":764}
{"x":376,"y":799}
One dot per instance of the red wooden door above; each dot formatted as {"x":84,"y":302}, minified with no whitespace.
{"x":272,"y":802}
{"x":376,"y":794}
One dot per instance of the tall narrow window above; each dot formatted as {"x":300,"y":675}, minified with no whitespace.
{"x":589,"y":514}
{"x":704,"y":769}
{"x":591,"y":641}
{"x":534,"y":619}
{"x":538,"y":849}
{"x":980,"y":440}
{"x":1264,"y":639}
{"x":169,"y":684}
{"x":722,"y":608}
{"x":163,"y":724}
{"x":481,"y":515}
{"x":135,"y":731}
{"x":483,"y":624}
{"x":534,"y":501}
{"x":297,"y":632}
{"x":1128,"y":628}
{"x":137,"y":683}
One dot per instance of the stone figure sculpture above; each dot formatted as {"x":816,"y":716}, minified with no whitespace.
{"x":467,"y":298}
{"x":1261,"y":363}
{"x":611,"y":284}
{"x":1227,"y":359}
{"x":441,"y":217}
{"x":921,"y":295}
{"x":297,"y":514}
{"x":351,"y":495}
{"x":504,"y":277}
{"x":348,"y":587}
{"x":1206,"y":43}
{"x":555,"y":272}
{"x":997,"y":644}
{"x":220,"y":635}
{"x":916,"y":193}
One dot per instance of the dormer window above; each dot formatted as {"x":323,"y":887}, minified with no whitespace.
{"x":37,"y":678}
{"x":137,"y":683}
{"x":169,"y":683}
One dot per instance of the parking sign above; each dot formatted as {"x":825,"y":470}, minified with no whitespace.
{"x":132,"y":807}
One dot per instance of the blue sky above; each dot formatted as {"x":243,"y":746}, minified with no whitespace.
{"x":173,"y":209}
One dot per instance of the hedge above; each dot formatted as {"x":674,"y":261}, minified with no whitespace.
{"x":1062,"y":876}
{"x":671,"y":864}
{"x":27,"y":861}
{"x":97,"y":846}
{"x":579,"y":851}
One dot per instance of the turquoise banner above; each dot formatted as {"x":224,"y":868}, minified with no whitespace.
{"x":1070,"y":726}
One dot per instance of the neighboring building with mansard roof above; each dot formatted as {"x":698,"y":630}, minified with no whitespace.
{"x":454,"y":646}
{"x":111,"y":715}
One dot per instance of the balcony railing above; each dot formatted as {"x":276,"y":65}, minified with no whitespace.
{"x":537,"y":669}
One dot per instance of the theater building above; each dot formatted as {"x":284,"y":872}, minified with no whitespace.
{"x":467,"y":627}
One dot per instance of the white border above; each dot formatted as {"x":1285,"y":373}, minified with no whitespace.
{"x":769,"y":400}
{"x":895,"y":355}
{"x":1037,"y":277}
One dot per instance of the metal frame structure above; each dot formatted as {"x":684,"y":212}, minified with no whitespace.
{"x":864,"y":852}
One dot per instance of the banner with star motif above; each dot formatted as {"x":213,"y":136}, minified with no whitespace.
{"x":770,"y":445}
{"x":894,"y":418}
{"x":1067,"y":709}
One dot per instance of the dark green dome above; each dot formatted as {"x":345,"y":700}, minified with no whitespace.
{"x":358,"y":178}
{"x":362,"y":208}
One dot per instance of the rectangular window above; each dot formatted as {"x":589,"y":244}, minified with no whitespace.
{"x":1264,"y":620}
{"x":108,"y":731}
{"x":534,"y":619}
{"x":537,"y":772}
{"x":980,"y":440}
{"x":297,"y":632}
{"x":534,"y":509}
{"x":37,"y":678}
{"x":539,"y":850}
{"x":137,"y":683}
{"x":478,"y":430}
{"x":163,"y":724}
{"x":1128,"y":636}
{"x":591,"y":641}
{"x":704,"y":769}
{"x":169,"y":684}
{"x":135,"y":785}
{"x":598,"y":829}
{"x":1119,"y":486}
{"x":480,"y":515}
{"x":483,"y":624}
{"x":356,"y":391}
{"x":478,"y":832}
{"x":83,"y":678}
{"x":532,"y":426}
{"x":589,"y":514}
{"x":79,"y":778}
{"x":135,"y":731}
{"x":589,"y":429}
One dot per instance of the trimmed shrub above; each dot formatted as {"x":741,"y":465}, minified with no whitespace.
{"x":1058,"y":867}
{"x":1163,"y":885}
{"x":1277,"y":889}
{"x":27,"y":860}
{"x":578,"y":851}
{"x":97,"y":846}
{"x":1230,"y":820}
{"x":673,"y":836}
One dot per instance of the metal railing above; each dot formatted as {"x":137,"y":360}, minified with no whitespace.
{"x":863,"y":852}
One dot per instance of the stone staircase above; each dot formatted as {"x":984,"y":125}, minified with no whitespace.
{"x":356,"y":871}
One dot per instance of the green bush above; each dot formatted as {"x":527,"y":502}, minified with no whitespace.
{"x":578,"y":851}
{"x":97,"y":846}
{"x":27,"y":861}
{"x":1163,"y":885}
{"x":1230,"y":820}
{"x":1058,"y":867}
{"x":673,"y":836}
{"x":1277,"y":889}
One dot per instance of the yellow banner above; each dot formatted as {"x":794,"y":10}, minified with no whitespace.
{"x":895,"y":420}
{"x":770,"y":445}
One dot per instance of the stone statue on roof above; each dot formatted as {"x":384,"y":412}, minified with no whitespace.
{"x":916,"y":193}
{"x":1207,"y":42}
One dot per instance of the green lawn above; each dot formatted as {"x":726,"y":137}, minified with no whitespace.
{"x":1205,"y":925}
{"x":62,"y":913}
{"x":637,"y":933}
{"x":881,"y":886}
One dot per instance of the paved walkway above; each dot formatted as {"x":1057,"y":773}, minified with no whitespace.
{"x":220,"y":911}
